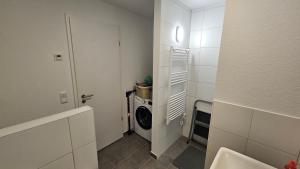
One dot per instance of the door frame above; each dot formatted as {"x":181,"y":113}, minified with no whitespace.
{"x":71,"y":59}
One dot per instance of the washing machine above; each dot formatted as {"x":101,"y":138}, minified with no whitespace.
{"x":143,"y":117}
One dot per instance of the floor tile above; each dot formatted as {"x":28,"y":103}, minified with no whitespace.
{"x":133,"y":152}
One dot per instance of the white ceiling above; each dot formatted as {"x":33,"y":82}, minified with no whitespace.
{"x":194,"y":4}
{"x":145,"y":7}
{"x":142,"y":7}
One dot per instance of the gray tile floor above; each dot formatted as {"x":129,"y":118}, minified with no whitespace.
{"x":133,"y":152}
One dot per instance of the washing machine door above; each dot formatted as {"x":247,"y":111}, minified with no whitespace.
{"x":144,"y":117}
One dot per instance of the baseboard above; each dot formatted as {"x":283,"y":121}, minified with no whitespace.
{"x":153,"y":155}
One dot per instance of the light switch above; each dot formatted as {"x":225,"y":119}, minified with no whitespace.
{"x":63,"y":96}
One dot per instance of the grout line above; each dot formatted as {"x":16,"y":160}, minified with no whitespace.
{"x":93,"y":141}
{"x":146,"y":162}
{"x":267,"y":146}
{"x":73,"y":157}
{"x":128,"y":156}
{"x":56,"y":160}
{"x":273,"y":148}
{"x":258,"y":109}
{"x":228,"y":132}
{"x":201,"y":65}
{"x":252,"y":115}
{"x":207,"y":29}
{"x":198,"y":48}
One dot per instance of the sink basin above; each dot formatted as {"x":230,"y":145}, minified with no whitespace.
{"x":229,"y":159}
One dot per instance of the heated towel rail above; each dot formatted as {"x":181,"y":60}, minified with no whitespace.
{"x":178,"y":79}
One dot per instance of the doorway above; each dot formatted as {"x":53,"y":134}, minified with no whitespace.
{"x":97,"y":75}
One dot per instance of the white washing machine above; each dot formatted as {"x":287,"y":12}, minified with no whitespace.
{"x":143,"y":117}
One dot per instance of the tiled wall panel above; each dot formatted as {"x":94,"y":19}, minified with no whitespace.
{"x":205,"y":39}
{"x":173,"y":14}
{"x":232,"y":118}
{"x":281,"y":132}
{"x":269,"y":137}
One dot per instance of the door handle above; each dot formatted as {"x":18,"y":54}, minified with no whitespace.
{"x":84,"y":98}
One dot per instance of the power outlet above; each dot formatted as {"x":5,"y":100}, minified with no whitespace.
{"x":63,"y":96}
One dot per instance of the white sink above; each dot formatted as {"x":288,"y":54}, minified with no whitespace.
{"x":229,"y":159}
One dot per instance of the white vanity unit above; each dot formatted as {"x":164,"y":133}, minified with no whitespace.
{"x":61,"y":141}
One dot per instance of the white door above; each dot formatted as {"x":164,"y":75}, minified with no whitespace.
{"x":97,"y":67}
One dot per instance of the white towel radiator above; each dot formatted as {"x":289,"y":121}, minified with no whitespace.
{"x":178,"y":81}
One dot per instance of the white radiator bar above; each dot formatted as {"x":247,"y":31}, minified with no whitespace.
{"x":177,"y":98}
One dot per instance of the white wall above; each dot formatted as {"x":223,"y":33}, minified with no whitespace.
{"x":259,"y":63}
{"x":256,"y":106}
{"x":167,"y":15}
{"x":205,"y":41}
{"x":32,"y":32}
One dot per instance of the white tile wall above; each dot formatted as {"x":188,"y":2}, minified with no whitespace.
{"x":209,"y":57}
{"x":195,"y":56}
{"x":205,"y":91}
{"x":219,"y":138}
{"x":163,"y":76}
{"x":278,"y":131}
{"x":82,"y":132}
{"x":211,"y":38}
{"x":168,"y":33}
{"x":86,"y":157}
{"x":268,"y":155}
{"x":165,"y":55}
{"x":232,"y":118}
{"x":205,"y":74}
{"x":65,"y":162}
{"x":214,"y":17}
{"x":197,"y":20}
{"x":271,"y":138}
{"x":205,"y":36}
{"x":192,"y":88}
{"x":186,"y":22}
{"x":173,"y":13}
{"x":195,"y":39}
{"x":163,"y":96}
